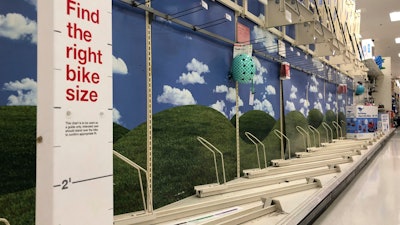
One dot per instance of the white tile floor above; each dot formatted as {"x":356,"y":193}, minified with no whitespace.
{"x":374,"y":196}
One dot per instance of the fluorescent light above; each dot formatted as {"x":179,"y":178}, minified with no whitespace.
{"x":397,"y":40}
{"x":394,"y":16}
{"x":398,"y":83}
{"x":399,"y":54}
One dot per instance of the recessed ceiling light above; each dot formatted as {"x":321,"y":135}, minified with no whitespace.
{"x":394,"y":16}
{"x":397,"y":40}
{"x":399,"y":54}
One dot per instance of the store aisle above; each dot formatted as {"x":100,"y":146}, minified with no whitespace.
{"x":374,"y":196}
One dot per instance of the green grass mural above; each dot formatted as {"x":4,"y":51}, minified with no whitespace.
{"x":180,"y":162}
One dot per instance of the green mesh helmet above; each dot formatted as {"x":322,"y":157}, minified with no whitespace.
{"x":243,"y":68}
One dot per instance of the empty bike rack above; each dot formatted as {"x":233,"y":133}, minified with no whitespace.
{"x":206,"y":205}
{"x":256,"y":173}
{"x":327,"y":129}
{"x":213,"y":149}
{"x":313,"y":130}
{"x":256,"y":141}
{"x":279,"y":134}
{"x":246,"y":184}
{"x":305,"y":135}
{"x":138,"y":168}
{"x":339,"y":132}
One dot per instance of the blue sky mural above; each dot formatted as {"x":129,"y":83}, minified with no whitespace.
{"x":18,"y":39}
{"x":188,"y":67}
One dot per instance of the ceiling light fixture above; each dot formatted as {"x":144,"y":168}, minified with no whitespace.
{"x":397,"y":40}
{"x":394,"y":16}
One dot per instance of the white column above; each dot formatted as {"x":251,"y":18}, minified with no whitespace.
{"x":74,"y":183}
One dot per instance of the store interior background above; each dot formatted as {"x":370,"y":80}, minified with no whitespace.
{"x":193,"y":93}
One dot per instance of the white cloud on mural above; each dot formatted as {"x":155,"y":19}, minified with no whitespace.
{"x":335,"y":106}
{"x":270,"y":90}
{"x":265,"y":106}
{"x":268,"y":40}
{"x":289,"y":106}
{"x":26,"y":92}
{"x":219,"y":106}
{"x":328,"y":106}
{"x":119,"y":66}
{"x":116,"y":116}
{"x":260,"y":70}
{"x":231,"y":96}
{"x":221,"y":89}
{"x":195,"y":68}
{"x":305,"y":105}
{"x":32,"y":2}
{"x":314,"y":80}
{"x":313,"y":89}
{"x":330,"y":95}
{"x":320,"y":96}
{"x":230,"y":93}
{"x":17,"y":27}
{"x":232,"y":112}
{"x":176,"y":96}
{"x":314,"y":84}
{"x":318,"y":105}
{"x":293,"y":91}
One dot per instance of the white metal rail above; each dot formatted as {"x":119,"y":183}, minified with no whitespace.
{"x":317,"y":132}
{"x":327,"y":129}
{"x":247,"y":184}
{"x":138,"y":168}
{"x":214,"y":149}
{"x":3,"y":220}
{"x":305,"y":135}
{"x":338,"y":129}
{"x":256,"y":141}
{"x":280,"y":135}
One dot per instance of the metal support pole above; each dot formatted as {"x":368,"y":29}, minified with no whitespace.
{"x":282,"y":108}
{"x":237,"y":132}
{"x":149,"y":111}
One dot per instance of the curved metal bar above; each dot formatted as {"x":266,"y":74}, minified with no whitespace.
{"x":254,"y":139}
{"x":207,"y":144}
{"x":338,"y":128}
{"x":305,"y":135}
{"x":313,"y":134}
{"x":345,"y":125}
{"x":319,"y":135}
{"x":3,"y":220}
{"x":138,"y":168}
{"x":279,"y":134}
{"x":326,"y":126}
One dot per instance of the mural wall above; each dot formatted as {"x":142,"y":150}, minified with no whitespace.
{"x":189,"y":68}
{"x":193,"y":93}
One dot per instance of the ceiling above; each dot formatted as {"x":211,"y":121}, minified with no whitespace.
{"x":376,"y":25}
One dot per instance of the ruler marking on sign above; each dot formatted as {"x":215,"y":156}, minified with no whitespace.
{"x":90,"y":179}
{"x":65,"y":183}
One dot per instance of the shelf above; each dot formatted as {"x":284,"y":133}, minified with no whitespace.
{"x":373,"y":69}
